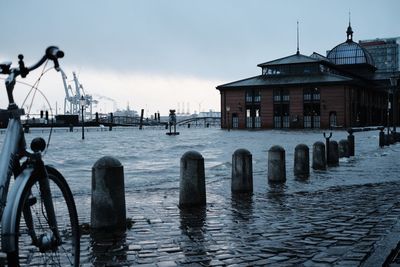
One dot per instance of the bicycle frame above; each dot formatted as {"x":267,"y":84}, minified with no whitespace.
{"x":9,"y":158}
{"x":13,"y":150}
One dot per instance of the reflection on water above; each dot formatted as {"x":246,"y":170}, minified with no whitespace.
{"x":106,"y":248}
{"x":151,"y":165}
{"x":151,"y":158}
{"x":192,"y":225}
{"x":242,"y":206}
{"x":192,"y":222}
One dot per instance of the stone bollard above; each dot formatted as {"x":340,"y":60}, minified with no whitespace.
{"x":350,"y":138}
{"x":381,"y":138}
{"x":333,"y":156}
{"x":392,"y":139}
{"x":276,"y":165}
{"x":344,"y":148}
{"x":319,"y":160}
{"x":192,"y":188}
{"x":386,"y":138}
{"x":242,"y":172}
{"x":108,"y":212}
{"x":301,"y":161}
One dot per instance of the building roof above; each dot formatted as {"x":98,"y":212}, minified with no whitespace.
{"x":287,"y":80}
{"x":293,"y":59}
{"x":350,"y":52}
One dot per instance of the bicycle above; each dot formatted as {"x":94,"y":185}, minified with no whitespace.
{"x":34,"y":227}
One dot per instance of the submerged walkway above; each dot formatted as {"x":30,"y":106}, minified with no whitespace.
{"x":340,"y":226}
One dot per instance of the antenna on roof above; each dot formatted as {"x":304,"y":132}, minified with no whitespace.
{"x":349,"y":30}
{"x":298,"y":50}
{"x":349,"y":18}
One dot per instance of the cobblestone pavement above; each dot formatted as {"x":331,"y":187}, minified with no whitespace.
{"x":339,"y":226}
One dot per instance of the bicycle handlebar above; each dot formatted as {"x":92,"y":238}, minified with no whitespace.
{"x":52,"y":53}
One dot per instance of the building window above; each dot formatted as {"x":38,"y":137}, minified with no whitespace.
{"x":253,"y":99}
{"x":249,"y":96}
{"x":235,"y":121}
{"x":311,"y":108}
{"x":257,"y":118}
{"x":257,"y":96}
{"x":249,"y":119}
{"x":253,"y":96}
{"x":281,"y":108}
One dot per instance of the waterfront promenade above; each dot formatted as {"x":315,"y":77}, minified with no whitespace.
{"x":354,"y":225}
{"x":344,"y":216}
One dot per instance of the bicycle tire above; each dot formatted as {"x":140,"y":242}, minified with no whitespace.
{"x":65,"y":254}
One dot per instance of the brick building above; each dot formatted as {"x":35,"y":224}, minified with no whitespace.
{"x":342,"y":89}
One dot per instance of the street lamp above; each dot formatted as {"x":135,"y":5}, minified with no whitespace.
{"x":393,"y":83}
{"x":228,"y":108}
{"x":82,"y":103}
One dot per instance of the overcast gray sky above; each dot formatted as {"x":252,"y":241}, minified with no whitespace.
{"x":155,"y":54}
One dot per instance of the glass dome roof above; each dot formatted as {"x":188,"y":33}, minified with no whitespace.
{"x":350,"y":52}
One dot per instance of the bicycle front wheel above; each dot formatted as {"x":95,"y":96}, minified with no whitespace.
{"x":36,"y":245}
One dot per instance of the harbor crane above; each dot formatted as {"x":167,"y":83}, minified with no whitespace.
{"x":71,"y":100}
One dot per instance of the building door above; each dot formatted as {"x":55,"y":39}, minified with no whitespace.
{"x":235,"y":121}
{"x":332,"y":119}
{"x":253,"y":118}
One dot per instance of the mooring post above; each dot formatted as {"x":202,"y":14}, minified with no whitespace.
{"x":350,"y":138}
{"x":344,"y":148}
{"x":242,"y":172}
{"x":392,"y":139}
{"x":381,"y":137}
{"x":276,"y":165}
{"x":333,"y":156}
{"x":108,"y":196}
{"x":192,"y":187}
{"x":26,"y":129}
{"x":141,"y":119}
{"x":319,"y":160}
{"x":111,"y":121}
{"x":301,"y":161}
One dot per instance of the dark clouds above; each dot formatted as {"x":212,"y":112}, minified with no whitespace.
{"x":209,"y":39}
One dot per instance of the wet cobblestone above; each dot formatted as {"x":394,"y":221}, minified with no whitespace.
{"x":340,"y":226}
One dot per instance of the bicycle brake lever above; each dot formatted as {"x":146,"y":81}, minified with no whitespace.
{"x":5,"y":67}
{"x":23,"y":70}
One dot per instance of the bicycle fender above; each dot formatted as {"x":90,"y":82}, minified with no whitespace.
{"x":9,"y":218}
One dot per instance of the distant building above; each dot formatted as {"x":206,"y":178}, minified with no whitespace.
{"x":210,"y":113}
{"x":343,"y":89}
{"x":385,"y":52}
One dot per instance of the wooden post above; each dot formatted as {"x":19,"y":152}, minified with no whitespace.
{"x":141,"y":119}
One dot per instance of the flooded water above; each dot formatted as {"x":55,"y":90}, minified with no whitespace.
{"x":151,"y":158}
{"x":151,"y":161}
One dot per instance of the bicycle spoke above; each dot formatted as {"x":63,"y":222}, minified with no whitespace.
{"x":47,"y":251}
